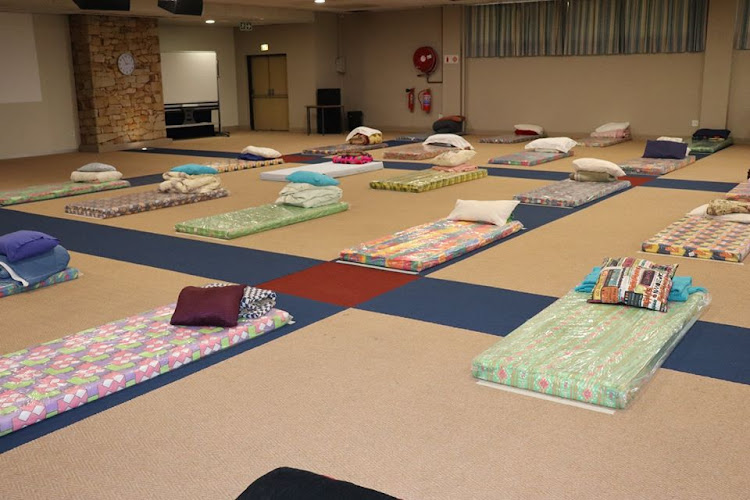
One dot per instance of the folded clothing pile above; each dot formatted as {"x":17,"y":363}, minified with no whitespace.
{"x":709,"y":134}
{"x":30,"y":257}
{"x":617,"y":130}
{"x":364,"y":136}
{"x":552,"y":145}
{"x":222,"y":305}
{"x":724,"y":210}
{"x":96,"y":172}
{"x":353,"y":159}
{"x":528,"y":129}
{"x":595,"y":170}
{"x":309,"y":190}
{"x":180,"y":182}
{"x":255,"y":153}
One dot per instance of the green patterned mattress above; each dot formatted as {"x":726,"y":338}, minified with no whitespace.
{"x":427,"y":180}
{"x":594,"y":353}
{"x":8,"y":287}
{"x":253,"y":220}
{"x":105,"y":208}
{"x":709,"y":146}
{"x":57,"y":190}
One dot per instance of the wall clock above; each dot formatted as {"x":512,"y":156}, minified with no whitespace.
{"x":126,"y":63}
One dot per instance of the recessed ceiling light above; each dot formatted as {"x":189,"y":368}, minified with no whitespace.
{"x":210,"y":21}
{"x":264,"y":47}
{"x":320,"y":1}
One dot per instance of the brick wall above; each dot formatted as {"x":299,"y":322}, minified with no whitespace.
{"x":115,"y":109}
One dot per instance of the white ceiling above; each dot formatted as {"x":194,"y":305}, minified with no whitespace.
{"x":230,"y":12}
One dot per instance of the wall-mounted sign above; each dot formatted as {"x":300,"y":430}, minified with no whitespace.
{"x":450,"y":59}
{"x":246,"y":26}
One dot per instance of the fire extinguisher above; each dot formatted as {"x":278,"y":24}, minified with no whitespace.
{"x":410,"y":99}
{"x":425,"y":100}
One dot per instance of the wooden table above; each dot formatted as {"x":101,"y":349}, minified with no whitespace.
{"x":323,"y":106}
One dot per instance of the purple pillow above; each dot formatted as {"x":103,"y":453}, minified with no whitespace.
{"x":665,"y":149}
{"x":218,"y":306}
{"x":24,"y":244}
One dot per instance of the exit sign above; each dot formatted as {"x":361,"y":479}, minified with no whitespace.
{"x":244,"y":26}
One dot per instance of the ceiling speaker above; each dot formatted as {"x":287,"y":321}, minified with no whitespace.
{"x":186,"y":7}
{"x":103,"y":4}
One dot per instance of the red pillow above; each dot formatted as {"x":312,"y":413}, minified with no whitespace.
{"x":526,"y":132}
{"x":219,"y":306}
{"x":454,"y":118}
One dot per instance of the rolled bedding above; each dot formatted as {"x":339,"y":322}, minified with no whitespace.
{"x":180,"y":182}
{"x":586,"y":176}
{"x":105,"y":176}
{"x":300,"y":194}
{"x":364,"y":136}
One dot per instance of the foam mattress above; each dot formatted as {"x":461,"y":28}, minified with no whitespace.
{"x":702,"y":238}
{"x":529,"y":158}
{"x":44,"y":380}
{"x":594,"y":353}
{"x":57,"y":190}
{"x":329,"y":168}
{"x":416,"y":152}
{"x":223,"y":167}
{"x":427,"y":245}
{"x":655,"y":166}
{"x":570,"y":193}
{"x":337,"y":149}
{"x":105,"y":208}
{"x":9,"y":287}
{"x":510,"y":139}
{"x":601,"y":142}
{"x":708,"y":146}
{"x":427,"y":180}
{"x":253,"y":220}
{"x":741,"y":192}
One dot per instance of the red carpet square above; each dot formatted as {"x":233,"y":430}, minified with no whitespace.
{"x":637,"y":180}
{"x":339,"y":284}
{"x":301,"y":158}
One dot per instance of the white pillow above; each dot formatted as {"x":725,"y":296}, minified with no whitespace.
{"x":264,"y":152}
{"x":597,"y":165}
{"x":108,"y":176}
{"x":701,"y":212}
{"x":454,"y":158}
{"x":562,"y":144}
{"x":672,"y":139}
{"x":526,"y":126}
{"x":452,"y":139}
{"x":492,"y":212}
{"x":97,"y":167}
{"x":608,"y":127}
{"x":364,"y":131}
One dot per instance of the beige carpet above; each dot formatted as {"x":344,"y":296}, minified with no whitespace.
{"x":389,"y":403}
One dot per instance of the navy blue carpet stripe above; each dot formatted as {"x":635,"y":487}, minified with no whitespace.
{"x":199,"y":258}
{"x":304,"y":311}
{"x":717,"y":187}
{"x":474,"y":307}
{"x":187,"y":152}
{"x":527,"y":174}
{"x":406,"y":165}
{"x":145,"y":180}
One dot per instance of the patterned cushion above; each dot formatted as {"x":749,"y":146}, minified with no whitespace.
{"x":634,"y":282}
{"x":255,"y":302}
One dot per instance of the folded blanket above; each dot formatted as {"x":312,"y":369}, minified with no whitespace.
{"x":305,"y":195}
{"x":180,"y":182}
{"x":353,"y":159}
{"x":35,"y":269}
{"x":617,"y":134}
{"x":364,"y":136}
{"x":682,"y":286}
{"x":255,"y":302}
{"x":725,"y":207}
{"x":588,"y":176}
{"x":77,"y":176}
{"x":458,"y":168}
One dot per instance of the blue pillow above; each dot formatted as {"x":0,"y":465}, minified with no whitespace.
{"x":195,"y":169}
{"x":252,"y":157}
{"x":665,"y":149}
{"x":24,"y":244}
{"x":313,"y":178}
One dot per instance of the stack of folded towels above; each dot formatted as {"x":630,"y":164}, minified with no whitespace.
{"x":30,"y":257}
{"x":595,"y":170}
{"x":617,"y":130}
{"x":310,"y":189}
{"x":96,"y":172}
{"x":221,"y":305}
{"x":454,"y":161}
{"x":616,"y":281}
{"x":364,"y":136}
{"x":255,"y":153}
{"x":190,"y":179}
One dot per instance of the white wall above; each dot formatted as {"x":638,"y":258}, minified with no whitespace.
{"x":174,"y":38}
{"x":49,"y":126}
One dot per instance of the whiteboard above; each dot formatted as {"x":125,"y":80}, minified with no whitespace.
{"x":189,"y":77}
{"x":19,"y":78}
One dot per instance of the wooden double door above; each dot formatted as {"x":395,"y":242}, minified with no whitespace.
{"x":269,"y":98}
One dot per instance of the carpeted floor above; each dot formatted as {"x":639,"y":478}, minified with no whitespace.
{"x":372,"y":384}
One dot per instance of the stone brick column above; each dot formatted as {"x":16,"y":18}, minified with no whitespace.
{"x":117,"y":111}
